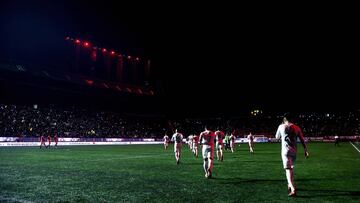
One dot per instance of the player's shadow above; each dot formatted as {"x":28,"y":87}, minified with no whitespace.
{"x":265,"y":152}
{"x":266,"y":161}
{"x":239,"y":181}
{"x":326,"y":193}
{"x":190,"y":163}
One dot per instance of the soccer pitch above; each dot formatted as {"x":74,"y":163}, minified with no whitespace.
{"x":148,"y":173}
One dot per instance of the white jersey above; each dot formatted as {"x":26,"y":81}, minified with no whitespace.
{"x":177,"y":138}
{"x":166,"y":138}
{"x":250,"y":138}
{"x":232,"y":138}
{"x":190,"y":138}
{"x":288,"y":134}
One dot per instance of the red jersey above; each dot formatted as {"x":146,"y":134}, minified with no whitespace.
{"x":207,"y":138}
{"x":49,"y":139}
{"x":42,"y":139}
{"x":196,"y":139}
{"x":219,"y":136}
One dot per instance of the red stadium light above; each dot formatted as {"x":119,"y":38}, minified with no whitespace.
{"x":67,"y":38}
{"x":86,"y":44}
{"x":137,"y":58}
{"x":112,"y":52}
{"x":129,"y":57}
{"x":104,"y":50}
{"x":77,"y":41}
{"x":89,"y":82}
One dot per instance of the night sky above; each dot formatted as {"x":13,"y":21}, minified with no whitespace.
{"x":222,"y":57}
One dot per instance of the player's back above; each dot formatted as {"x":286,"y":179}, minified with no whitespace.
{"x":250,"y":138}
{"x":177,"y":138}
{"x":219,"y":136}
{"x":288,"y":134}
{"x":207,"y":137}
{"x":195,"y":139}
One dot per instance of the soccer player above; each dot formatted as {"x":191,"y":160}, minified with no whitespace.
{"x":49,"y":141}
{"x":166,"y":141}
{"x":232,"y":141}
{"x":288,"y":133}
{"x":42,"y":141}
{"x":251,"y":140}
{"x":207,"y":138}
{"x":219,"y":145}
{"x":56,"y":140}
{"x":227,"y":141}
{"x":195,"y":145}
{"x":337,"y":140}
{"x":190,"y":142}
{"x":177,"y":139}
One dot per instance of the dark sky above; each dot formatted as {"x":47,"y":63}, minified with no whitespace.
{"x":208,"y":55}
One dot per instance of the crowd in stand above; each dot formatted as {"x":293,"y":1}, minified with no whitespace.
{"x":34,"y":121}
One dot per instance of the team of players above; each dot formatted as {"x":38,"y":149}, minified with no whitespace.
{"x":287,"y":132}
{"x":210,"y":142}
{"x":43,"y":141}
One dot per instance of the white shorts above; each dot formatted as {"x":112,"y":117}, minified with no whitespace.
{"x":177,"y":147}
{"x":195,"y":146}
{"x":288,"y":161}
{"x":208,"y":152}
{"x":219,"y":146}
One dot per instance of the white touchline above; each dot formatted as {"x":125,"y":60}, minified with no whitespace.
{"x":355,"y":147}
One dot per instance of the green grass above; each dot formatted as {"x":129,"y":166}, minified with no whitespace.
{"x":357,"y":144}
{"x":149,"y":174}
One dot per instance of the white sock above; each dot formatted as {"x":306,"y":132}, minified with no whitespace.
{"x":290,"y":178}
{"x":205,"y":166}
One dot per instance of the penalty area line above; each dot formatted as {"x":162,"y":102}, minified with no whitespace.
{"x":354,"y":146}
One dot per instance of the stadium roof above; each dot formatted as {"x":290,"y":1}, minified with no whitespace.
{"x":203,"y":56}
